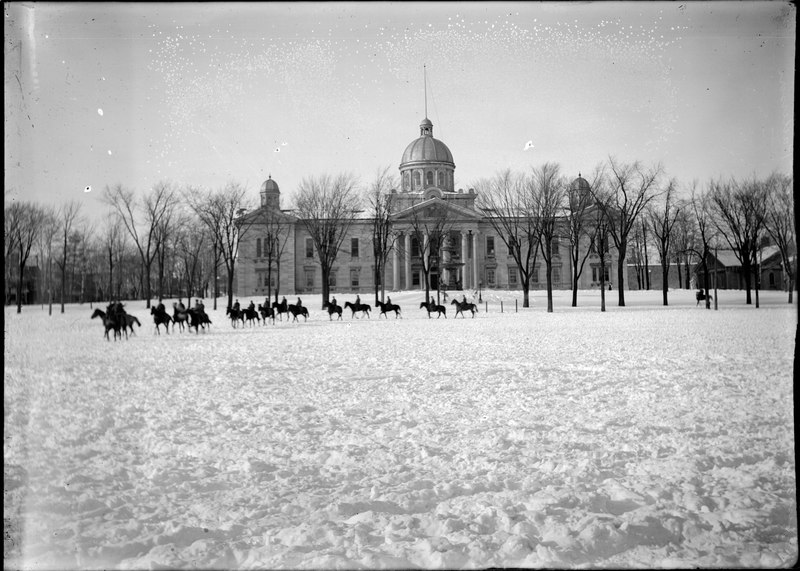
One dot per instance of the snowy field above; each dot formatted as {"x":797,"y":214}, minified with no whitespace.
{"x":645,"y":436}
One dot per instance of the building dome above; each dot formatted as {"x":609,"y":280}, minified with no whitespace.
{"x":270,"y":194}
{"x":270,"y":185}
{"x":580,"y":184}
{"x":426,"y":149}
{"x":426,"y":162}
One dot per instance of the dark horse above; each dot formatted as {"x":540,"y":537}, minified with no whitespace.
{"x":266,"y":313}
{"x":431,"y":307}
{"x":296,"y":310}
{"x":332,"y":308}
{"x":251,"y":315}
{"x":128,"y":321}
{"x":462,"y":306}
{"x":160,"y":318}
{"x":109,"y":322}
{"x":197,"y":319}
{"x":236,"y":315}
{"x":387,"y":307}
{"x":179,"y":318}
{"x":280,"y":309}
{"x":701,"y":296}
{"x":357,"y":307}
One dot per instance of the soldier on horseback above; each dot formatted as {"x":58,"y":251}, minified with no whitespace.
{"x":180,"y":307}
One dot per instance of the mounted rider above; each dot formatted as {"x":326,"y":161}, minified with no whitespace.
{"x":236,"y":306}
{"x":358,"y":300}
{"x":251,"y":307}
{"x":299,"y":302}
{"x":333,"y":302}
{"x":180,"y":307}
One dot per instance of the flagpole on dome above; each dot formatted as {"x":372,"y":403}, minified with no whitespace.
{"x":425,"y":81}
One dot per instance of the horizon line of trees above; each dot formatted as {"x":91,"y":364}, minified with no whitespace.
{"x":148,"y":245}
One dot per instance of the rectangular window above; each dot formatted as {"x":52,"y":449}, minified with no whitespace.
{"x":310,"y":279}
{"x":309,"y":248}
{"x":512,"y":275}
{"x":535,"y":275}
{"x":415,"y":278}
{"x":332,"y":279}
{"x":353,"y":278}
{"x":490,"y":246}
{"x":258,"y":247}
{"x":272,"y":280}
{"x":490,"y":276}
{"x":354,"y":247}
{"x":414,"y":247}
{"x":554,"y":244}
{"x":556,"y":275}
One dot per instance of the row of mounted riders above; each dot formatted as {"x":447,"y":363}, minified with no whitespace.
{"x":266,"y":311}
{"x":116,"y":319}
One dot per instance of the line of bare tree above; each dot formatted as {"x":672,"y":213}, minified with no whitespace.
{"x":147,"y":242}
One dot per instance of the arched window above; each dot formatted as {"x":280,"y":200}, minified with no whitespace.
{"x":429,"y":178}
{"x":406,"y":180}
{"x":417,"y":180}
{"x":441,"y":179}
{"x":258,"y":248}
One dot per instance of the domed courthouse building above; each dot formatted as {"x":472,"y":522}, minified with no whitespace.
{"x":472,"y":255}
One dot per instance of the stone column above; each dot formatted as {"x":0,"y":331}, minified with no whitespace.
{"x":475,"y":280}
{"x":464,"y":258}
{"x":425,"y":252}
{"x":445,"y":273}
{"x":396,"y":264}
{"x":408,"y":260}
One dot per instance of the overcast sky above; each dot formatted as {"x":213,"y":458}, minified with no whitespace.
{"x":201,"y":94}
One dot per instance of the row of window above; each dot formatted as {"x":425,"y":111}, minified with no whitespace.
{"x":415,"y":249}
{"x":445,"y":179}
{"x":310,"y":282}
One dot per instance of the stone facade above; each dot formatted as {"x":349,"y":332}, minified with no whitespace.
{"x":472,"y":254}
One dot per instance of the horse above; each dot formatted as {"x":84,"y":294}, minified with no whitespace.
{"x":280,"y":309}
{"x":357,"y":307}
{"x":109,"y":323}
{"x":431,"y":307}
{"x":296,"y":310}
{"x":387,"y":307}
{"x":128,"y":321}
{"x":196,"y":319}
{"x":266,"y":313}
{"x":332,"y":308}
{"x":701,"y":296}
{"x":179,"y":318}
{"x":236,"y":315}
{"x":461,"y":306}
{"x":160,"y":318}
{"x":250,"y":315}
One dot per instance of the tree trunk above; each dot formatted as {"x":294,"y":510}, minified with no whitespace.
{"x":549,"y":270}
{"x":664,"y":280}
{"x":621,"y":274}
{"x":680,"y":276}
{"x":326,"y":288}
{"x":602,"y":282}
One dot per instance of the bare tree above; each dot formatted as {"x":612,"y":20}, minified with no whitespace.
{"x":706,"y":231}
{"x":684,"y":235}
{"x":547,"y":191}
{"x":24,"y":221}
{"x":68,"y":216}
{"x":601,"y":236}
{"x":327,"y":206}
{"x":168,"y":223}
{"x":277,"y":229}
{"x":430,"y":225}
{"x":222,"y":212}
{"x":191,"y":241}
{"x":780,"y":223}
{"x":662,"y":222}
{"x":49,"y":231}
{"x":580,"y":230}
{"x":145,"y":232}
{"x":630,"y":189}
{"x":506,"y":205}
{"x":739,"y":212}
{"x":379,"y":204}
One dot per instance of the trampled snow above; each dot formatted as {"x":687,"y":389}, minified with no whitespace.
{"x":643,"y":436}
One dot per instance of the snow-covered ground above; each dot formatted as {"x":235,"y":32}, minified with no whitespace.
{"x":643,"y":436}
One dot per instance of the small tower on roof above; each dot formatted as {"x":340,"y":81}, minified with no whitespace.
{"x":270,"y":195}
